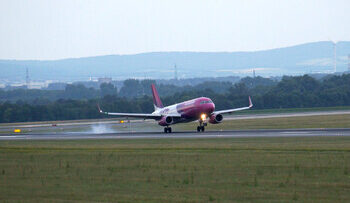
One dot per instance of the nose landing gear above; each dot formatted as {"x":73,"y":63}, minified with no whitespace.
{"x":201,"y":127}
{"x":167,"y":130}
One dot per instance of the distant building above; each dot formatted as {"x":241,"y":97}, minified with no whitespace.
{"x":104,"y":80}
{"x":37,"y":85}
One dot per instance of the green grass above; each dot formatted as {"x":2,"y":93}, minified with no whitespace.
{"x":293,"y":110}
{"x":177,"y":170}
{"x":56,"y":122}
{"x":327,"y":121}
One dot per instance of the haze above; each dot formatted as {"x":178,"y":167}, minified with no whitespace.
{"x":70,"y":29}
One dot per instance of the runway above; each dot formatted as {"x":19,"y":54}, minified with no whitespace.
{"x":140,"y":129}
{"x":178,"y":135}
{"x":85,"y":123}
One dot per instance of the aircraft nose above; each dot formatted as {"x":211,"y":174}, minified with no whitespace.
{"x":211,"y":107}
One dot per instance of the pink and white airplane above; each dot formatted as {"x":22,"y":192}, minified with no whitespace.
{"x":196,"y":109}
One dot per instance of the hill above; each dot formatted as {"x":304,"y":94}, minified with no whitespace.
{"x":300,"y":59}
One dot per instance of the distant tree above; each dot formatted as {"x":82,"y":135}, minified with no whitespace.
{"x":108,"y":89}
{"x":131,"y":88}
{"x":80,"y":102}
{"x":146,"y":86}
{"x":257,"y":81}
{"x":79,"y":91}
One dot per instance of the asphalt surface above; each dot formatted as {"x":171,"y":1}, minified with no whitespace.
{"x":75,"y":124}
{"x":188,"y":134}
{"x":105,"y":129}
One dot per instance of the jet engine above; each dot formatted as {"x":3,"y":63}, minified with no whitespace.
{"x":166,"y":120}
{"x":215,"y":118}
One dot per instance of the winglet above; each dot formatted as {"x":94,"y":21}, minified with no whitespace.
{"x":250,"y":103}
{"x":99,"y":109}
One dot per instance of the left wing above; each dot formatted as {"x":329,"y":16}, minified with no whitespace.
{"x":233,"y":110}
{"x":134,"y":115}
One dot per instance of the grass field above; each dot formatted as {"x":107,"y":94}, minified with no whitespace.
{"x":293,"y":110}
{"x":304,"y":169}
{"x":327,"y":121}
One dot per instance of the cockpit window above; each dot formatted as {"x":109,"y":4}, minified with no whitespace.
{"x":206,"y":102}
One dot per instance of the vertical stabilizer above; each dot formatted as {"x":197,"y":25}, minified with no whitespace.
{"x":156,"y":100}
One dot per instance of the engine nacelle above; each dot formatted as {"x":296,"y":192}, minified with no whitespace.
{"x":216,"y":118}
{"x":166,"y":120}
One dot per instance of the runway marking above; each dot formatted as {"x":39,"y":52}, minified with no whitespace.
{"x":297,"y":132}
{"x":12,"y":136}
{"x":182,"y":135}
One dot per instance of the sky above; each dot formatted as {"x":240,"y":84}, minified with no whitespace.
{"x":56,"y":29}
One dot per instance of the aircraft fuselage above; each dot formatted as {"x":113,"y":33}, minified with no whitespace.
{"x":187,"y":111}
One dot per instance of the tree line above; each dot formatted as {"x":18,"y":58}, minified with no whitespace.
{"x":79,"y":102}
{"x":131,"y":88}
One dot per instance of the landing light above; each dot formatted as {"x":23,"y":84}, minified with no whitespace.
{"x":203,"y":117}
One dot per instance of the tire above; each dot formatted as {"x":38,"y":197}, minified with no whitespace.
{"x":202,"y":128}
{"x":169,"y":129}
{"x":198,"y":129}
{"x":165,"y":130}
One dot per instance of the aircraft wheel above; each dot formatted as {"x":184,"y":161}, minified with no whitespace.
{"x":198,"y":128}
{"x":167,"y":130}
{"x":202,"y":128}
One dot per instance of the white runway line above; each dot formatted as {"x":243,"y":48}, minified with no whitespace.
{"x":297,"y":132}
{"x":12,"y":136}
{"x":158,"y":135}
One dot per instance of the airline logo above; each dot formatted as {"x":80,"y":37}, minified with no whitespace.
{"x":165,"y":111}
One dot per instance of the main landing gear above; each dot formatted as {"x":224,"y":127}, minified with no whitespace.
{"x":201,"y":127}
{"x":167,"y":130}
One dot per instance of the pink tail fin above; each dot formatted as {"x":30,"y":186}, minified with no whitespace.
{"x":156,"y":100}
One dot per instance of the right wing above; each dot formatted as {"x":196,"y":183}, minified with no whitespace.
{"x":134,"y":115}
{"x":233,"y":110}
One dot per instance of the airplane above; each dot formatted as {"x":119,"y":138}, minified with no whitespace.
{"x":196,"y":109}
